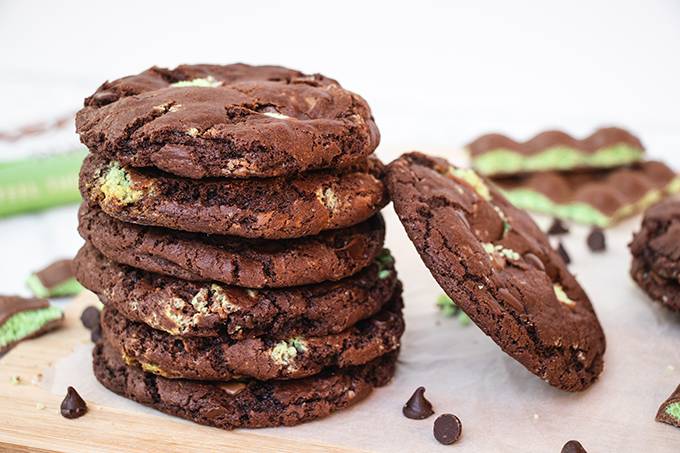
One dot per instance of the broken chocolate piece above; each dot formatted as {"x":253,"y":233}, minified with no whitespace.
{"x":669,"y":412}
{"x":56,"y":280}
{"x":22,"y":318}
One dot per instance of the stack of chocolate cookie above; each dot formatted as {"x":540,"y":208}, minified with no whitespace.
{"x":233,"y":235}
{"x":598,"y":180}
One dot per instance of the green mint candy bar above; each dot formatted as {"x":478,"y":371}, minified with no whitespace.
{"x":669,"y":412}
{"x":56,"y":280}
{"x":39,"y":182}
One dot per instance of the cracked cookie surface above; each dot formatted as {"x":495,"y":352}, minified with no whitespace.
{"x":268,"y":208}
{"x":249,"y":404}
{"x":234,"y":120}
{"x":329,"y":256}
{"x":206,"y":309}
{"x":497,"y":266}
{"x":220,"y":359}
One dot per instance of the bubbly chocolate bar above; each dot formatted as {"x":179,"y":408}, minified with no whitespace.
{"x":497,"y":154}
{"x":599,"y":198}
{"x":56,"y":280}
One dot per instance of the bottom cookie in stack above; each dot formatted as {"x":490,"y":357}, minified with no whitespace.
{"x":656,"y":254}
{"x":232,"y":357}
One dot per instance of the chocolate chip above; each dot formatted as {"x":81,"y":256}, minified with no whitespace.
{"x":596,"y":241}
{"x":563,"y":253}
{"x":418,"y":407}
{"x":73,"y":405}
{"x":557,"y":227}
{"x":104,"y":97}
{"x":90,"y":317}
{"x":534,"y":261}
{"x":573,"y":446}
{"x":96,"y":334}
{"x":447,"y":429}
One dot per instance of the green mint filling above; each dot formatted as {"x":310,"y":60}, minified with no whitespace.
{"x":473,"y":179}
{"x":504,"y":160}
{"x":561,"y":295}
{"x":500,"y":250}
{"x":383,"y":260}
{"x":673,"y":410}
{"x":69,"y":287}
{"x":27,"y":323}
{"x":206,"y":82}
{"x":116,"y":184}
{"x":578,"y":212}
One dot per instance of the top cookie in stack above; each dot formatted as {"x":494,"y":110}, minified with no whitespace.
{"x":233,"y":234}
{"x":598,"y":180}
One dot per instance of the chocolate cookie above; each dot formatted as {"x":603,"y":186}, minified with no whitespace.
{"x":498,"y":267}
{"x":235,"y":120}
{"x":207,"y":309}
{"x":219,"y":358}
{"x":252,"y":404}
{"x":661,"y":289}
{"x":497,"y":154}
{"x":271,"y":208}
{"x":330,"y":256}
{"x":658,"y":241}
{"x":599,"y":198}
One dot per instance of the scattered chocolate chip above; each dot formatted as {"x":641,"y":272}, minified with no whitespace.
{"x":73,"y":405}
{"x":557,"y":227}
{"x":90,"y":317}
{"x":96,"y":334}
{"x":447,"y":429}
{"x":418,"y":407}
{"x":563,"y":253}
{"x":596,"y":241}
{"x":573,"y":446}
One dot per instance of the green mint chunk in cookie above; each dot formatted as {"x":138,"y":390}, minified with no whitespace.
{"x":562,"y":296}
{"x":472,"y":179}
{"x":492,"y":249}
{"x":117,"y":185}
{"x":285,"y":351}
{"x":385,"y":261}
{"x":204,"y":82}
{"x":56,"y":280}
{"x":21,"y":319}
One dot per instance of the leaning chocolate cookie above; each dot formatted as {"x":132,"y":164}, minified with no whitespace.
{"x":205,"y":309}
{"x":264,"y":358}
{"x":497,"y":266}
{"x":235,"y":120}
{"x":268,"y":208}
{"x":330,"y":256}
{"x":248,"y":404}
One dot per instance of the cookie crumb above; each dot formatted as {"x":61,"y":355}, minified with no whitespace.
{"x":39,"y":406}
{"x":15,"y":380}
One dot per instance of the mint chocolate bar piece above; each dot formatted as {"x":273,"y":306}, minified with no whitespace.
{"x":22,"y":318}
{"x":497,"y":154}
{"x":669,"y":412}
{"x":56,"y":280}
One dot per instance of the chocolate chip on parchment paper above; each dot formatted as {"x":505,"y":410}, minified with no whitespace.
{"x":558,"y":227}
{"x":596,"y":240}
{"x":447,"y":429}
{"x":418,"y":407}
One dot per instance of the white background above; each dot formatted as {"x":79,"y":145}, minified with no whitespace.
{"x":436,"y":74}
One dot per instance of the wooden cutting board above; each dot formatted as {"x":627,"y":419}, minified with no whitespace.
{"x":30,"y":419}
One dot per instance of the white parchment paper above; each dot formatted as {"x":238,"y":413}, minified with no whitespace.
{"x":501,"y":405}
